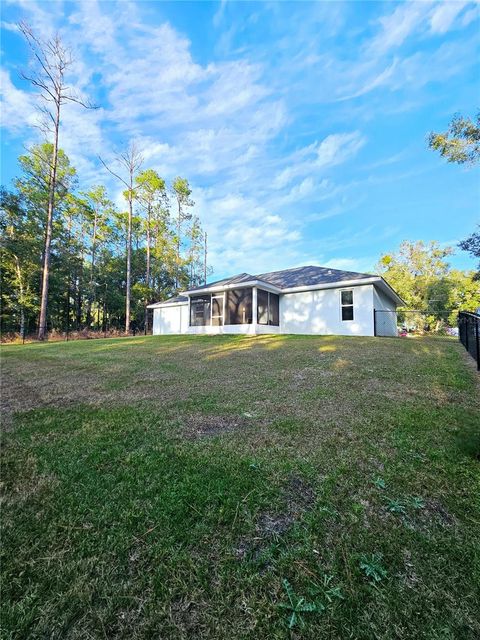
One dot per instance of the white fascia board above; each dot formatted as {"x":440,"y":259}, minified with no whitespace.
{"x":391,"y":293}
{"x":343,"y":284}
{"x":238,"y":285}
{"x":161,"y":305}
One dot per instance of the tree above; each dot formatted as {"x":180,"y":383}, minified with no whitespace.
{"x":413,"y":269}
{"x":420,"y":274}
{"x":182,"y":192}
{"x":151,"y":193}
{"x":461,"y":142}
{"x":472,"y":245}
{"x":196,"y":253}
{"x":98,"y":211}
{"x":19,"y":265}
{"x":131,"y":161}
{"x":53,"y":60}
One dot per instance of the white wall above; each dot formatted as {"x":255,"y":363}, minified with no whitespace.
{"x":170,"y":320}
{"x":319,"y":312}
{"x":248,"y":329}
{"x":386,"y":323}
{"x":308,"y":312}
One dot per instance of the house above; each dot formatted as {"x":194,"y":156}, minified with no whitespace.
{"x":305,"y":300}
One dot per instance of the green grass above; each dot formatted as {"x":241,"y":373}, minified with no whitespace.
{"x":171,"y":487}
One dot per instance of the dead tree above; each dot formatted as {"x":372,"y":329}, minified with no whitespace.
{"x":52,"y":60}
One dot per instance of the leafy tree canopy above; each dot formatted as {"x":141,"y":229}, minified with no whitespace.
{"x":461,"y":142}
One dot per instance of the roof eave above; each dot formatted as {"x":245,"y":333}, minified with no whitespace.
{"x":235,"y":285}
{"x":160,"y":305}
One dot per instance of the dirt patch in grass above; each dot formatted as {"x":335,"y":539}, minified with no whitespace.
{"x":434,"y":511}
{"x":299,"y":497}
{"x":208,"y":426}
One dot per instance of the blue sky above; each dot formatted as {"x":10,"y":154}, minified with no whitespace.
{"x":301,"y":126}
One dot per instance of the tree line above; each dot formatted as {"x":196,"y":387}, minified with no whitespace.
{"x":105,"y":264}
{"x":72,"y":260}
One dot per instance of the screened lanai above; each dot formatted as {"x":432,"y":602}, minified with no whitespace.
{"x":234,"y":307}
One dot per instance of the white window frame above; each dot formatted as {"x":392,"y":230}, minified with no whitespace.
{"x":342,"y":306}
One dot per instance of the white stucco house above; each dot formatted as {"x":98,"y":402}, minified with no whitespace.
{"x":305,"y":300}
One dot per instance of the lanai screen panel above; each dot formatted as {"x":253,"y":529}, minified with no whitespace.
{"x":267,"y":305}
{"x":217,"y":310}
{"x":200,"y":310}
{"x":239,"y":306}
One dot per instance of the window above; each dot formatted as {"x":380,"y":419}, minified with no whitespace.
{"x":346,"y":298}
{"x":200,"y":310}
{"x":239,"y":306}
{"x":267,"y":308}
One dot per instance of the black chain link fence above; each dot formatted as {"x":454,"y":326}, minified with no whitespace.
{"x":469,"y":334}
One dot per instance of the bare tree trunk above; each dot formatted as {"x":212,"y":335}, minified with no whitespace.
{"x":42,"y":324}
{"x":179,"y":223}
{"x":147,"y":274}
{"x":130,"y":160}
{"x":129,"y":261}
{"x":78,"y":310}
{"x":22,"y":294}
{"x":93,"y":292}
{"x":205,"y":261}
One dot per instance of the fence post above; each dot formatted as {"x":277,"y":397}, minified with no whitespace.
{"x":478,"y":344}
{"x":374,"y":322}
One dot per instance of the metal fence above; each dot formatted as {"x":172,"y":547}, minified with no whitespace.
{"x":469,"y":334}
{"x":413,"y":321}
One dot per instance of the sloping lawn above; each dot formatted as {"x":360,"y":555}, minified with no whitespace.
{"x":167,"y":487}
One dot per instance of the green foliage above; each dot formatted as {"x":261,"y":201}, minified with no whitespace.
{"x":416,"y":502}
{"x":420,"y":274}
{"x":380,"y":483}
{"x":296,"y":606}
{"x":461,"y":142}
{"x":371,"y":565}
{"x":87,"y":275}
{"x":472,"y":245}
{"x":396,"y":506}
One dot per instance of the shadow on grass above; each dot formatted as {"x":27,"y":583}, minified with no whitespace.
{"x":468,"y":441}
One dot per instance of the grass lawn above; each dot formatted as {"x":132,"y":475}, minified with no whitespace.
{"x":166,"y":487}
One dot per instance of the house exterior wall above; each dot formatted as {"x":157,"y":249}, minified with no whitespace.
{"x":245,"y":329}
{"x":386,"y":318}
{"x":316,"y":312}
{"x":170,"y":320}
{"x":319,"y":312}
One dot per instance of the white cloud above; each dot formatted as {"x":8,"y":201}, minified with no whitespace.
{"x":18,"y":109}
{"x":397,"y":26}
{"x":373,"y":83}
{"x":444,"y":15}
{"x":331,"y":151}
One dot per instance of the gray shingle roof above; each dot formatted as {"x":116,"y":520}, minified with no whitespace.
{"x":309,"y":276}
{"x":238,"y":279}
{"x":174,"y":300}
{"x":298,"y":277}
